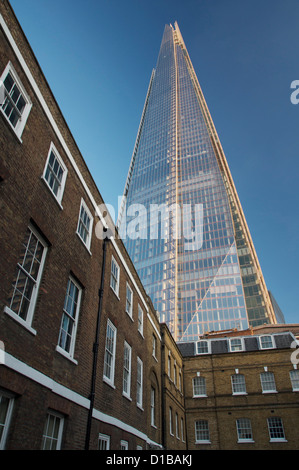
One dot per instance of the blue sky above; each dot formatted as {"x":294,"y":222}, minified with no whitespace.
{"x":97,"y":56}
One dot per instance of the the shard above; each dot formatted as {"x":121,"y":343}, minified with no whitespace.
{"x":181,"y":219}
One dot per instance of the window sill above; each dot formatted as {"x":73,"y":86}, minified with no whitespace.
{"x":11,"y":127}
{"x":202,"y":442}
{"x":19,"y":320}
{"x":51,"y":192}
{"x":108,"y":382}
{"x":155,"y":357}
{"x":245,"y":441}
{"x":66,"y":355}
{"x":126,"y":396}
{"x":278,"y":440}
{"x":130,"y":315}
{"x":115,"y":293}
{"x":83,"y":243}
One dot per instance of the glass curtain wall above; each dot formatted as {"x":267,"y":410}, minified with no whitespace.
{"x":179,"y":224}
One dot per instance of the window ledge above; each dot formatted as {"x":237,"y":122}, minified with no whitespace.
{"x":278,"y":440}
{"x":108,"y":382}
{"x":245,"y":441}
{"x":82,"y":241}
{"x":11,"y":126}
{"x":53,"y":195}
{"x":19,"y":320}
{"x":115,"y":293}
{"x":126,"y":396}
{"x":130,"y":315}
{"x":202,"y":442}
{"x":66,"y":354}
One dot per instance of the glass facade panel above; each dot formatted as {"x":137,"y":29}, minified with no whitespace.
{"x":179,"y":214}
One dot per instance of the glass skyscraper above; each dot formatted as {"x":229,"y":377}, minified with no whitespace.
{"x":181,"y":219}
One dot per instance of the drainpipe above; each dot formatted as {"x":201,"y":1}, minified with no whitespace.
{"x":96,"y":345}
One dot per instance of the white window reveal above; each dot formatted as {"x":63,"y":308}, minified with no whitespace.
{"x":27,"y":278}
{"x":85,"y":222}
{"x":110,"y":348}
{"x":129,"y":301}
{"x":16,"y":103}
{"x":55,"y":173}
{"x":53,"y":429}
{"x":127,"y":370}
{"x":139,"y":382}
{"x":69,"y":321}
{"x":6,"y":405}
{"x":104,"y":442}
{"x":114,"y":279}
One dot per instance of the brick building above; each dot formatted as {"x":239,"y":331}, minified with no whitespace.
{"x":59,"y":281}
{"x":84,"y":362}
{"x":241,"y":390}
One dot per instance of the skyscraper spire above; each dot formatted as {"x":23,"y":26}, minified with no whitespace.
{"x":181,"y":218}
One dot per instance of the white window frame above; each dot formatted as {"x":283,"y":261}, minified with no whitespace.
{"x":238,"y":384}
{"x":262,"y":346}
{"x":180,"y":380}
{"x":103,"y":438}
{"x":204,"y":429}
{"x":177,"y":426}
{"x":294,"y":380}
{"x":27,"y":322}
{"x":124,"y":445}
{"x":114,"y":278}
{"x":20,"y":125}
{"x":234,"y":348}
{"x":69,"y":353}
{"x":61,"y":184}
{"x":7,"y":418}
{"x":169,"y":365}
{"x":199,"y":389}
{"x":153,"y":407}
{"x":86,"y":242}
{"x":208,"y":347}
{"x":271,"y":428}
{"x":129,"y":302}
{"x":154,"y":345}
{"x":127,"y":367}
{"x":266,"y":383}
{"x":182,"y":429}
{"x":110,"y":353}
{"x":139,"y":380}
{"x":242,"y":425}
{"x":47,"y":437}
{"x":170,"y":421}
{"x":140,"y":320}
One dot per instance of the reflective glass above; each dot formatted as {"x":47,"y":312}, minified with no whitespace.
{"x":175,"y":191}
